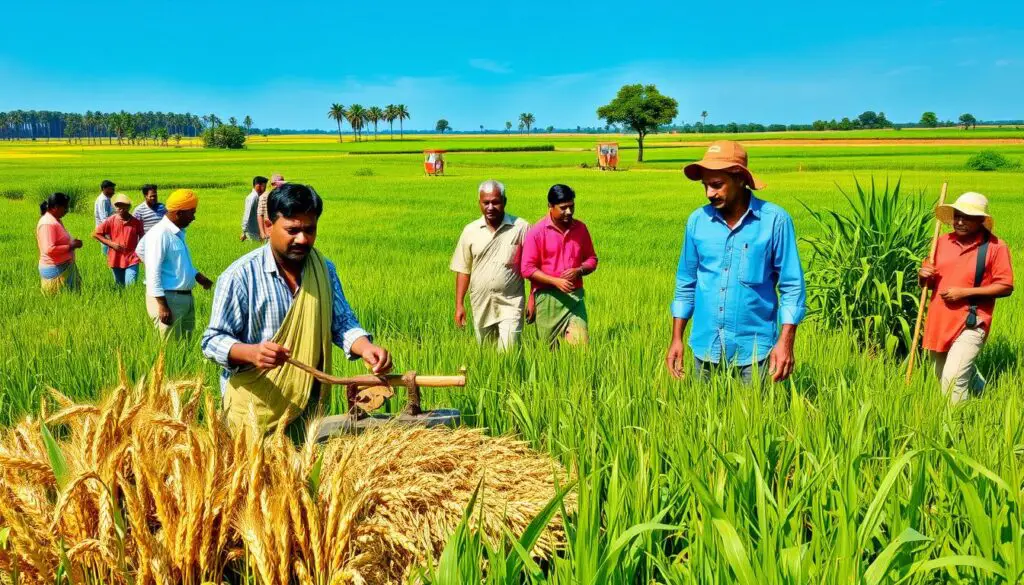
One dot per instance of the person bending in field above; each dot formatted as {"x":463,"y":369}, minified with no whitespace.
{"x":276,"y":180}
{"x":102,"y":209}
{"x":486,"y":263}
{"x":739,"y":275}
{"x":170,"y":275}
{"x":557,"y":253}
{"x":250,"y":219}
{"x":972,"y":269}
{"x":121,"y":233}
{"x":150,"y":211}
{"x":280,"y":301}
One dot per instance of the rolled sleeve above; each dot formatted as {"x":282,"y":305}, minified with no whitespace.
{"x":531,"y":254}
{"x":792,"y":289}
{"x":153,"y":257}
{"x":226,"y":320}
{"x":345,"y":328}
{"x":686,"y":275}
{"x":462,"y":259}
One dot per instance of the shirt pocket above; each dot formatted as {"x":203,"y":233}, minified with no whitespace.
{"x":754,"y":262}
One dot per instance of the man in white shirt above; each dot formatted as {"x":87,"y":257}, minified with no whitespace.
{"x":276,"y":180}
{"x":170,"y":275}
{"x":486,"y":264}
{"x":103,"y":209}
{"x":250,"y":221}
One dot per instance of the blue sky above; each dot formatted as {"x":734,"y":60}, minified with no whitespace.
{"x":476,"y":63}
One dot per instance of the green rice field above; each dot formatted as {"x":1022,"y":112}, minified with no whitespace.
{"x":843,"y":474}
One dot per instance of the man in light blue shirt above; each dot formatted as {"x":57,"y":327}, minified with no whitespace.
{"x":170,"y":274}
{"x":102,"y":208}
{"x":739,"y":276}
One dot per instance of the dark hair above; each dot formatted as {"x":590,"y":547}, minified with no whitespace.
{"x":560,"y":194}
{"x":291,"y":199}
{"x":147,"y":188}
{"x":259,"y":180}
{"x":107,"y":185}
{"x":54,"y":200}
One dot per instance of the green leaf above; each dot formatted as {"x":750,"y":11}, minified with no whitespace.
{"x":57,"y":461}
{"x":883,"y":563}
{"x":522,"y":547}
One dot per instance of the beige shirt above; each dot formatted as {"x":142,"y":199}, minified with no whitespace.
{"x":491,"y":259}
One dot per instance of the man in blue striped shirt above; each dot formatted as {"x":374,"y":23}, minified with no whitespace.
{"x":254,"y":295}
{"x":150,"y":211}
{"x":739,"y":275}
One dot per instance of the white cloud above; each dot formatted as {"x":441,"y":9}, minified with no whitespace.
{"x":490,"y":65}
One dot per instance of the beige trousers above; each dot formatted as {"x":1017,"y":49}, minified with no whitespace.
{"x":506,"y":333}
{"x":183,"y":314}
{"x":955,"y":368}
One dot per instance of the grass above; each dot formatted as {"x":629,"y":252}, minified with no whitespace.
{"x":841,"y":475}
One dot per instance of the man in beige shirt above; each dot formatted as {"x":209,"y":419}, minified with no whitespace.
{"x":486,"y":263}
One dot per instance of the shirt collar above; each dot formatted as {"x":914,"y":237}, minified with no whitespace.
{"x":269,"y":264}
{"x":507,"y":220}
{"x":169,"y":225}
{"x":754,"y":210}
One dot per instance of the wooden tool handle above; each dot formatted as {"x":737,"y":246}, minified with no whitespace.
{"x":385,"y":380}
{"x":924,"y":292}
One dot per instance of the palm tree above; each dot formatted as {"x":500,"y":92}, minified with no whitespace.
{"x":247,"y":122}
{"x":402,"y":113}
{"x":374,"y":115}
{"x":390,"y":114}
{"x":233,"y":121}
{"x":356,"y":117}
{"x":337,"y":113}
{"x":508,"y":126}
{"x":527,"y":120}
{"x":704,"y":120}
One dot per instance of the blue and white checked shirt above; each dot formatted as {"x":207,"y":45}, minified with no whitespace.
{"x":251,"y":301}
{"x":728,"y":279}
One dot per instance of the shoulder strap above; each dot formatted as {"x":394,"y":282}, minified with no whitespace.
{"x":979,"y":273}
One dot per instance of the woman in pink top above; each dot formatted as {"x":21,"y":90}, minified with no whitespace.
{"x":56,"y":247}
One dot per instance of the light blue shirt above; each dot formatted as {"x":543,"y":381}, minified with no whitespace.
{"x":251,"y":301}
{"x":102,"y":209}
{"x":737,"y":284}
{"x":167,"y":259}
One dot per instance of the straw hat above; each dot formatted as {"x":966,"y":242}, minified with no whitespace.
{"x":974,"y":204}
{"x":723,"y":155}
{"x":121,"y":199}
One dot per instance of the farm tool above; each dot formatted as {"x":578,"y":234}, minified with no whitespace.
{"x":369,"y":392}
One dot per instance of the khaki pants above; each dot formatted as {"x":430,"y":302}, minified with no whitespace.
{"x":955,"y":368}
{"x":183,"y":314}
{"x":505,"y":333}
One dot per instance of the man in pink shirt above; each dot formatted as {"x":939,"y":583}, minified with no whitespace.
{"x":557,"y":253}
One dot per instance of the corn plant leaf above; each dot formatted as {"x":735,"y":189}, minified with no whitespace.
{"x":57,"y":461}
{"x":882,"y":564}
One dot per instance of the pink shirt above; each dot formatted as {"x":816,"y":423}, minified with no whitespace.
{"x":548,"y":249}
{"x":54,"y":242}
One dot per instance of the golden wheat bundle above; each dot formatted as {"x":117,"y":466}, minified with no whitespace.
{"x":150,"y":487}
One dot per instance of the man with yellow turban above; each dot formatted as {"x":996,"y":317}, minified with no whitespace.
{"x":170,"y":275}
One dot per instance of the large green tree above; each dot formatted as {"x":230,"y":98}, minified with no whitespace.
{"x":442,"y":126}
{"x":527,"y":119}
{"x":929,"y":120}
{"x":968,"y":121}
{"x":641,"y":107}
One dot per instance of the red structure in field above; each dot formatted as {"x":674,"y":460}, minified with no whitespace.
{"x":433,"y":162}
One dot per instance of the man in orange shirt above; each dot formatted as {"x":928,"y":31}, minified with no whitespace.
{"x":972,"y":269}
{"x":121,"y":233}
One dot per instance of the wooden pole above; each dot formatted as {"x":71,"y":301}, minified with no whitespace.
{"x":924,"y":291}
{"x":386,"y":380}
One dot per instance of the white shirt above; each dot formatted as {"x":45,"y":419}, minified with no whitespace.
{"x":167,"y":259}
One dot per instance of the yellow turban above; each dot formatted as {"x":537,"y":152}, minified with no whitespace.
{"x":182,"y":199}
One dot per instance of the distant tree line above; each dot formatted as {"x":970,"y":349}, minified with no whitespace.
{"x":98,"y":127}
{"x":359,"y":117}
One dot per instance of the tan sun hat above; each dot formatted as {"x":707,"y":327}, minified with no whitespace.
{"x":122,"y":199}
{"x":723,"y":155}
{"x":970,"y":203}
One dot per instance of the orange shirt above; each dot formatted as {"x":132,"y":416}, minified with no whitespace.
{"x":54,"y":242}
{"x":955,"y":264}
{"x":127,"y":233}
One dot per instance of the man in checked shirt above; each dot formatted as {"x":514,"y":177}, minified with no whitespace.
{"x":280,"y":301}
